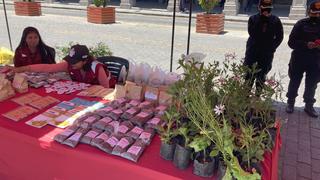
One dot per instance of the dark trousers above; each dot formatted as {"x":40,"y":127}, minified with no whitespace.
{"x":263,"y":66}
{"x":296,"y":71}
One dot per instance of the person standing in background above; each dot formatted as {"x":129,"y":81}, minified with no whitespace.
{"x":305,"y":58}
{"x":265,"y":35}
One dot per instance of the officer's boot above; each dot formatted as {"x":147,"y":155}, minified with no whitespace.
{"x":290,"y":106}
{"x":310,"y":110}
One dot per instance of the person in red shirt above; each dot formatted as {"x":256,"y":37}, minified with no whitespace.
{"x":32,"y":50}
{"x":80,"y":65}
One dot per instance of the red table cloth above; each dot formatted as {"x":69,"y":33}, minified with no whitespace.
{"x":28,"y":153}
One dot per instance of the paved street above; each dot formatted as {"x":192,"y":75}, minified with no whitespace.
{"x":148,"y":39}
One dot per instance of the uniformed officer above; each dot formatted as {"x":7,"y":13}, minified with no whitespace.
{"x":305,"y":58}
{"x":265,"y":35}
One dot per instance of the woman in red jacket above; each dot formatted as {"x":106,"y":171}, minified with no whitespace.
{"x":80,"y":65}
{"x":32,"y":50}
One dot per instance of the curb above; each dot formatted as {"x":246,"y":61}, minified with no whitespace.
{"x":154,"y":12}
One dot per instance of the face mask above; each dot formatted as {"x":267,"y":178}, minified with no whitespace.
{"x":315,"y":19}
{"x":268,"y":10}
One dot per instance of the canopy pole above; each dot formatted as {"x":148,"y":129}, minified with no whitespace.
{"x":172,"y":37}
{"x":189,"y":28}
{"x":5,"y":15}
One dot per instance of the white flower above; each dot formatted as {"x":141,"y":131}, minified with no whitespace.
{"x":218,"y":109}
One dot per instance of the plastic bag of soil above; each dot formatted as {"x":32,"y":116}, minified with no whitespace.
{"x":119,"y":102}
{"x":130,"y":113}
{"x":112,"y":127}
{"x":122,"y":146}
{"x":87,"y":123}
{"x":142,"y":118}
{"x":133,"y":103}
{"x":115,"y":114}
{"x":86,"y":139}
{"x":102,"y":123}
{"x":135,"y":132}
{"x":104,"y":111}
{"x":135,"y":151}
{"x":124,"y":127}
{"x":154,"y":123}
{"x":73,"y":140}
{"x":79,"y":120}
{"x":161,"y":109}
{"x":65,"y":134}
{"x":146,"y":105}
{"x":146,"y":136}
{"x":100,"y":139}
{"x":108,"y":145}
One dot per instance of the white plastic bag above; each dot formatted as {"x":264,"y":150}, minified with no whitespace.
{"x":123,"y":74}
{"x":132,"y":70}
{"x":197,"y":57}
{"x":171,"y":78}
{"x":142,"y":73}
{"x":157,"y":77}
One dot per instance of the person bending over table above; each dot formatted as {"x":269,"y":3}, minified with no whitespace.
{"x":32,"y":50}
{"x":81,"y":67}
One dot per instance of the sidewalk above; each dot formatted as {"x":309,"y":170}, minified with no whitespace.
{"x":160,"y":10}
{"x":300,"y":152}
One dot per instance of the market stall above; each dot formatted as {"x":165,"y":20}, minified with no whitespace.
{"x":69,"y":130}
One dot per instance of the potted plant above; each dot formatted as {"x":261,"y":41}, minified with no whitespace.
{"x":27,"y":8}
{"x":208,"y":22}
{"x":99,"y":50}
{"x":182,"y":153}
{"x":203,"y":164}
{"x":100,"y":14}
{"x":167,"y":133}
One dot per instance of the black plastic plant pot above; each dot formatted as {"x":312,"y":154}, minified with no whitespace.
{"x":167,"y":151}
{"x":181,"y":157}
{"x":221,"y":170}
{"x":203,"y":169}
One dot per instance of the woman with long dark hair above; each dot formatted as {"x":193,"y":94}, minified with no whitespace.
{"x":80,"y":65}
{"x":32,"y":50}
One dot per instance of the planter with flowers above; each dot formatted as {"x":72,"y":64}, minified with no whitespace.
{"x":27,"y":8}
{"x":208,"y":22}
{"x":100,"y":14}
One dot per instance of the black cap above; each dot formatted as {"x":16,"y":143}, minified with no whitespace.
{"x":264,"y":4}
{"x":77,"y":53}
{"x":314,"y":7}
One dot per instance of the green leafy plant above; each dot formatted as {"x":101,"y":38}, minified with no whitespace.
{"x":208,"y":5}
{"x":220,"y":134}
{"x":227,"y":112}
{"x":201,"y":143}
{"x":99,"y":3}
{"x":99,"y":50}
{"x":167,"y":132}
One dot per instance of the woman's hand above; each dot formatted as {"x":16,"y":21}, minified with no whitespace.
{"x":21,"y":69}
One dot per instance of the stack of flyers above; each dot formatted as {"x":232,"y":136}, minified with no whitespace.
{"x":43,"y":102}
{"x":62,"y":121}
{"x":39,"y":121}
{"x":77,"y":111}
{"x":67,"y":105}
{"x":26,"y":99}
{"x":20,"y":113}
{"x":82,"y":102}
{"x":98,"y":91}
{"x":91,"y":90}
{"x":65,"y":87}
